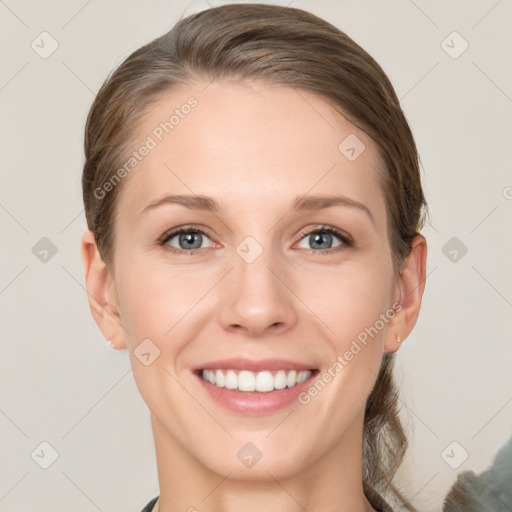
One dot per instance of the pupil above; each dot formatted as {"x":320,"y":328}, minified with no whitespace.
{"x":188,"y":238}
{"x":318,"y":239}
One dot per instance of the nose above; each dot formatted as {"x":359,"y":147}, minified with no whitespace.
{"x":257,"y":298}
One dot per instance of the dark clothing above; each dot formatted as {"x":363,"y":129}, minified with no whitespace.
{"x":150,"y":505}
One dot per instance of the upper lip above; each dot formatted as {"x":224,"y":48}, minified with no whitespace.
{"x":253,"y":365}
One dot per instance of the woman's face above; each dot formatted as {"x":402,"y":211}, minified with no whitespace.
{"x":266,"y":281}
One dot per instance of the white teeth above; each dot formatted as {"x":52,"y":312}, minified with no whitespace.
{"x":231,"y":381}
{"x":280,"y":380}
{"x":301,"y":377}
{"x":246,"y":381}
{"x":263,"y":382}
{"x":219,"y":379}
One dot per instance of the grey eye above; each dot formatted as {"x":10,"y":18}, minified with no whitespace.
{"x":319,"y":240}
{"x":187,"y":240}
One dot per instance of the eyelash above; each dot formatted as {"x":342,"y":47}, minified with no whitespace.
{"x":346,"y":240}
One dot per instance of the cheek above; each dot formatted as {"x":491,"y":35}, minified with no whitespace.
{"x":352,"y":304}
{"x":348,"y":299}
{"x":160,"y":304}
{"x":154,"y":298}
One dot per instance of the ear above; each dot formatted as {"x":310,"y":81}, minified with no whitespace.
{"x":101,"y":293}
{"x":410,"y":287}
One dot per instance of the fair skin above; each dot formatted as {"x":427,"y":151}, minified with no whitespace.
{"x":254,"y":148}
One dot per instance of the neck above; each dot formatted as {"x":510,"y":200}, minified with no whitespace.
{"x":331,"y":483}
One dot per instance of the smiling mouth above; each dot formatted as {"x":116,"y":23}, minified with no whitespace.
{"x":259,"y":382}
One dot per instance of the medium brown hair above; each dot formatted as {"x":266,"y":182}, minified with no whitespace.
{"x":281,"y":46}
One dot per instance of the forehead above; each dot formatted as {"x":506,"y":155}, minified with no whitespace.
{"x":250,"y":144}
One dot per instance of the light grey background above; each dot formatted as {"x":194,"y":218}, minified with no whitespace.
{"x":63,"y":385}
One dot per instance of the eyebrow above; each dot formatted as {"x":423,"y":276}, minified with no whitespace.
{"x":301,"y":203}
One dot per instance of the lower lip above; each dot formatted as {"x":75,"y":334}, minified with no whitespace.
{"x":254,"y":402}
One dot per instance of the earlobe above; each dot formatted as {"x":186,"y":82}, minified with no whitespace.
{"x":411,"y":283}
{"x":101,"y":293}
{"x":393,"y":345}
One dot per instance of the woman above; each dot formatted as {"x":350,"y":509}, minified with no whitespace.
{"x":254,"y":205}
